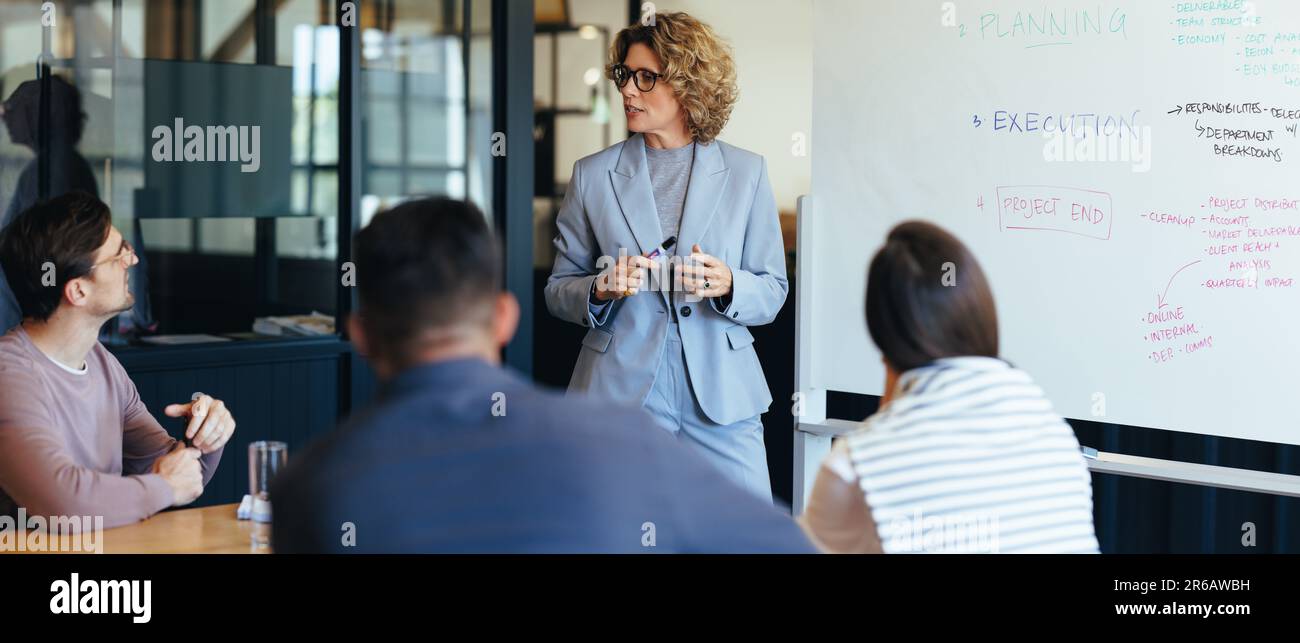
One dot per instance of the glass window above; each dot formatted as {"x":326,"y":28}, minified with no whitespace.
{"x":21,"y":36}
{"x":211,"y":128}
{"x":422,"y":101}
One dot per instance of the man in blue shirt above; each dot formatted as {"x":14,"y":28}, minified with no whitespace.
{"x":459,"y":454}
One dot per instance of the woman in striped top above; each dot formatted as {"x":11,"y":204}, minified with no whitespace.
{"x":965,"y":453}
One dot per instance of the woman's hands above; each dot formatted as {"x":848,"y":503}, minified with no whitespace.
{"x":624,"y":279}
{"x":706,"y":275}
{"x":702,"y":275}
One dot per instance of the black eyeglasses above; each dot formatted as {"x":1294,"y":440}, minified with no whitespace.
{"x":645,"y":79}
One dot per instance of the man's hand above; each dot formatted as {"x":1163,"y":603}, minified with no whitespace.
{"x":211,"y":424}
{"x":180,"y":468}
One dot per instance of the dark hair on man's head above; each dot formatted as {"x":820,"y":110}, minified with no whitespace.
{"x":63,"y":232}
{"x":927,"y":298}
{"x":424,"y":268}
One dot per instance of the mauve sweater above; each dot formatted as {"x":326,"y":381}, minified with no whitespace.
{"x":78,"y":444}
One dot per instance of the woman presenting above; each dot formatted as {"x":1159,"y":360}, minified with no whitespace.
{"x":679,"y":346}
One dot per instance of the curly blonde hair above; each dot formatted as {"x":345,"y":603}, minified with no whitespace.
{"x":697,"y":65}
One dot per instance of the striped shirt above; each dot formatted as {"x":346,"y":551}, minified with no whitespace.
{"x":967,"y":457}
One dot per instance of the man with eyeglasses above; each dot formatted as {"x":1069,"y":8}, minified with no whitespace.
{"x":75,"y":438}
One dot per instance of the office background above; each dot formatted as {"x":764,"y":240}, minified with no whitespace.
{"x":408,"y":102}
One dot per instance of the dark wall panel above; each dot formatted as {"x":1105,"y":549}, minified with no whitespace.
{"x":291,"y":400}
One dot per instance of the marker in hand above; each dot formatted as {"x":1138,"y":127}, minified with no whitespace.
{"x":195,"y":411}
{"x":656,"y":253}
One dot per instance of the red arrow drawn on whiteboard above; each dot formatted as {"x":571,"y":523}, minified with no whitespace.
{"x":1160,"y":299}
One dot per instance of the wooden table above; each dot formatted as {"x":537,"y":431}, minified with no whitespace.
{"x":204,"y":530}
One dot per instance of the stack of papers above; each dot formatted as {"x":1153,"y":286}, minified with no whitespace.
{"x":295,"y":325}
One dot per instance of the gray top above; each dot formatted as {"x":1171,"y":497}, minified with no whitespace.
{"x":670,"y":173}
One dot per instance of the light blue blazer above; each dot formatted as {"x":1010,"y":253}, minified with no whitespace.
{"x":731,"y":213}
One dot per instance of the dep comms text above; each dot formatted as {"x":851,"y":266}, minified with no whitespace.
{"x":1183,"y":585}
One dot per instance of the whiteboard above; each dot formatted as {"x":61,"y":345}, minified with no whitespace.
{"x":1127,"y":174}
